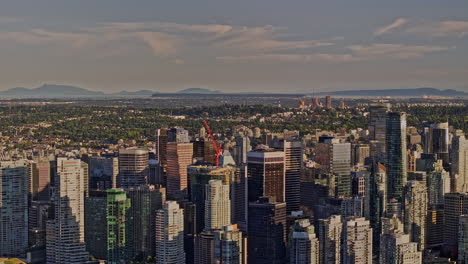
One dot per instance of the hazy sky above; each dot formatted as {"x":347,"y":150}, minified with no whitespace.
{"x":236,"y":45}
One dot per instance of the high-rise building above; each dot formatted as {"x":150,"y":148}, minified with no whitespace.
{"x":170,"y":234}
{"x":438,"y":184}
{"x":240,"y":150}
{"x":303,"y":243}
{"x":230,"y":245}
{"x":328,"y":100}
{"x":357,"y":241}
{"x":13,"y":208}
{"x":217,"y":205}
{"x":103,"y":172}
{"x":239,"y":199}
{"x":415,"y":212}
{"x":293,"y":166}
{"x":96,"y":223}
{"x":117,"y":207}
{"x":160,"y":150}
{"x":179,"y":156}
{"x":459,"y":164}
{"x":456,"y":204}
{"x":267,"y":232}
{"x":397,"y":248}
{"x":161,"y":145}
{"x":377,"y":129}
{"x":375,"y":200}
{"x":330,"y":231}
{"x":335,"y":158}
{"x":396,"y":154}
{"x":178,"y":135}
{"x":436,"y":139}
{"x":435,"y":227}
{"x":40,"y":184}
{"x":463,"y":239}
{"x":133,"y":167}
{"x":266,"y":174}
{"x":204,"y":248}
{"x":200,"y":176}
{"x":144,"y":200}
{"x":65,"y":234}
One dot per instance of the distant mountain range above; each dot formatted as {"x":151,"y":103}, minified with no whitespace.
{"x":415,"y":92}
{"x":66,"y":91}
{"x":198,"y":91}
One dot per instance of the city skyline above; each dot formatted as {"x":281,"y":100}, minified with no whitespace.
{"x":263,"y":46}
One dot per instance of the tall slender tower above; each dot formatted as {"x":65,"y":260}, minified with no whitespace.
{"x":330,"y":230}
{"x":377,"y":129}
{"x":396,"y":154}
{"x":179,"y":156}
{"x":217,"y":205}
{"x":456,"y":204}
{"x":170,"y":234}
{"x":13,"y":208}
{"x":303,"y":243}
{"x":145,"y":200}
{"x":293,"y":168}
{"x":133,"y":168}
{"x":415,"y":212}
{"x":357,"y":241}
{"x":459,"y":163}
{"x":117,"y":207}
{"x":65,"y":236}
{"x":463,"y":239}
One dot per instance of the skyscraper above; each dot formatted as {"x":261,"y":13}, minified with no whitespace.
{"x":357,"y":241}
{"x":377,"y":128}
{"x":267,"y":232}
{"x":133,"y":168}
{"x":240,"y":150}
{"x":117,"y":207}
{"x":200,"y":176}
{"x":335,"y":158}
{"x":239,"y":199}
{"x":303,"y":243}
{"x":13,"y":208}
{"x":463,"y":239}
{"x":415,"y":212}
{"x":396,"y":154}
{"x":40,"y":184}
{"x":217,"y":205}
{"x":437,"y":141}
{"x":144,"y":200}
{"x":65,"y":236}
{"x":103,"y":172}
{"x":459,"y":164}
{"x":330,"y":231}
{"x":170,"y":234}
{"x":293,"y":165}
{"x":96,"y":223}
{"x":328,"y":100}
{"x":456,"y":204}
{"x":397,"y":248}
{"x":266,"y":174}
{"x":230,"y":245}
{"x":179,"y":156}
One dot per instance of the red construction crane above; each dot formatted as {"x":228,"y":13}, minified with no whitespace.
{"x":217,"y":148}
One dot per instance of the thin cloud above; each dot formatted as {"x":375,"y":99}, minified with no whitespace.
{"x":356,"y":53}
{"x":441,"y":29}
{"x":398,"y":23}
